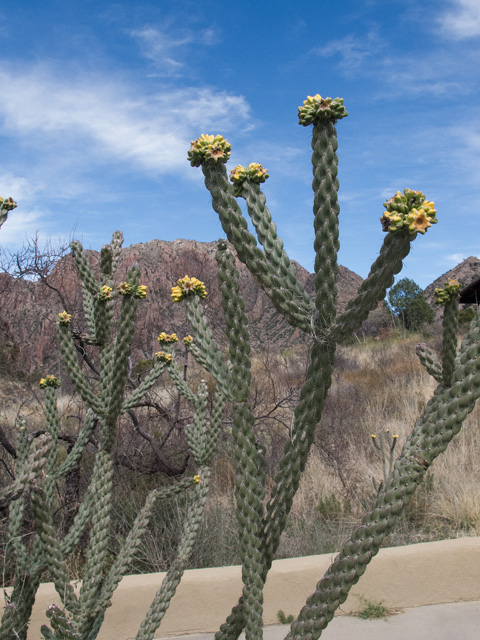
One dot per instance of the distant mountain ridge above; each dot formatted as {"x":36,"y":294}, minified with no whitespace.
{"x":29,"y":310}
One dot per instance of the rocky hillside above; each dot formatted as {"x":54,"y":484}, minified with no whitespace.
{"x":29,"y":309}
{"x":465,"y":272}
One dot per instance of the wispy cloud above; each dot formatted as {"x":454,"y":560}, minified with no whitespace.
{"x":103,"y":120}
{"x":461,"y":20}
{"x":434,"y":71}
{"x":168,"y":52}
{"x":354,"y":52}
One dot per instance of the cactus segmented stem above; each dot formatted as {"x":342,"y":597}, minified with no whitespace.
{"x":171,"y":581}
{"x":249,"y":484}
{"x":249,"y":189}
{"x":236,"y":229}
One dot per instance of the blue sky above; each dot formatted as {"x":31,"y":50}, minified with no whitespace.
{"x":100,"y":100}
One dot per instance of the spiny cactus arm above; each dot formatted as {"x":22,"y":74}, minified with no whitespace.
{"x":6,"y":205}
{"x":373,"y":289}
{"x":80,"y":522}
{"x":323,"y":114}
{"x":18,"y":611}
{"x":171,"y":581}
{"x":196,"y":432}
{"x":114,"y":379}
{"x":83,"y":267}
{"x":54,"y":559}
{"x":89,"y":311}
{"x":51,"y":415}
{"x":246,"y":183}
{"x":116,"y":246}
{"x":81,"y":442}
{"x":236,"y":227}
{"x":17,"y":506}
{"x":131,"y":545}
{"x":62,"y":625}
{"x":96,"y":553}
{"x":106,"y":263}
{"x":180,"y":384}
{"x":430,"y":361}
{"x":205,"y":349}
{"x":406,"y":215}
{"x":145,"y":386}
{"x":70,"y":360}
{"x":307,"y":415}
{"x":30,"y":471}
{"x":216,"y":420}
{"x":249,"y":461}
{"x":441,"y":420}
{"x":448,"y":297}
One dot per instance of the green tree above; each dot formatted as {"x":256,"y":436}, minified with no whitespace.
{"x":406,"y":301}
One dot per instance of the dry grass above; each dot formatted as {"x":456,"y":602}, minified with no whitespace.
{"x":378,"y":385}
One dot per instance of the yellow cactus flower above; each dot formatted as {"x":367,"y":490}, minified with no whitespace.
{"x":125,"y":288}
{"x":49,"y":381}
{"x":105,"y":292}
{"x":418,"y":221}
{"x":165,"y":338}
{"x":163,"y":356}
{"x":197,"y":479}
{"x":64,"y":318}
{"x":188,"y":286}
{"x":141,"y":291}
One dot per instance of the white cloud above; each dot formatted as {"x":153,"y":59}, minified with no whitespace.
{"x":100,"y":119}
{"x":21,"y":226}
{"x":462,"y":20}
{"x":433,"y":71}
{"x":354,"y":52}
{"x":165,"y":51}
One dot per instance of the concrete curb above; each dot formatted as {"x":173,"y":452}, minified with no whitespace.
{"x":400,"y":577}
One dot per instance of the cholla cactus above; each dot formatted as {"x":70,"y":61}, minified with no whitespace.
{"x":457,"y":374}
{"x":39,"y":469}
{"x":407,"y":215}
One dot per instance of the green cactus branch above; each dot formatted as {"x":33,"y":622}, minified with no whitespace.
{"x":30,"y":470}
{"x":440,"y":422}
{"x":249,"y":488}
{"x":246,"y":181}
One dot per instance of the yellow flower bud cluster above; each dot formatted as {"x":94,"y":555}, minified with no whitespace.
{"x":449,"y":291}
{"x":49,"y":381}
{"x":165,"y":338}
{"x":209,"y":148}
{"x":316,"y":108}
{"x":105,"y":292}
{"x":188,"y":286}
{"x":408,"y":210}
{"x":141,"y":291}
{"x":196,"y":479}
{"x":163,"y":356}
{"x":187,"y":341}
{"x":64,"y":319}
{"x":126,"y":289}
{"x":254,"y":172}
{"x":7,"y":204}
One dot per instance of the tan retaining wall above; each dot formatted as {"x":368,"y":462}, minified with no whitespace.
{"x":410,"y":576}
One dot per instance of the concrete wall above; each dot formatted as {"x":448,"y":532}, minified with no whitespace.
{"x":415,"y":575}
